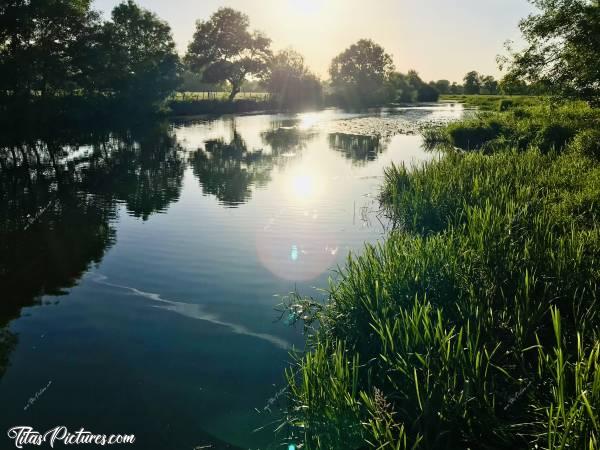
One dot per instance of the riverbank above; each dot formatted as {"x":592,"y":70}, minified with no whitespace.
{"x":476,"y":320}
{"x":493,"y":102}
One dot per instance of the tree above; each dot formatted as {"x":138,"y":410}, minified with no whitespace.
{"x":42,"y":43}
{"x":456,"y":88}
{"x":563,"y":48}
{"x":472,"y":83}
{"x":142,"y":66}
{"x":400,"y":89}
{"x":425,"y":92}
{"x":410,"y":88}
{"x":361,"y":71}
{"x":511,"y":84}
{"x":489,"y":85}
{"x":224,"y":50}
{"x":443,"y":86}
{"x":291,"y":83}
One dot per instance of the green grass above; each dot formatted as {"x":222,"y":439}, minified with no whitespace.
{"x":190,"y":106}
{"x":493,"y":102}
{"x":475,"y":324}
{"x":186,"y":96}
{"x":545,"y":126}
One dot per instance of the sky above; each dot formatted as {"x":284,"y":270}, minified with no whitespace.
{"x":440,"y":39}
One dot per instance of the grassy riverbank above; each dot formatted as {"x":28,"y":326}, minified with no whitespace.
{"x":492,"y":102}
{"x":475,"y":324}
{"x":191,"y":106}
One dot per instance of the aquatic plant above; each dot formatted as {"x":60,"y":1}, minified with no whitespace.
{"x":475,"y":324}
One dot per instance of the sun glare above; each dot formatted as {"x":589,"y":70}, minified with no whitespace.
{"x":303,"y":186}
{"x":307,"y":7}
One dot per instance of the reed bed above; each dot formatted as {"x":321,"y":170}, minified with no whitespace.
{"x":475,"y":324}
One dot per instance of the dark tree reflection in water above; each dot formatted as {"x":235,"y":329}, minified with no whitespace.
{"x":358,"y":148}
{"x":229,"y":170}
{"x":59,"y":193}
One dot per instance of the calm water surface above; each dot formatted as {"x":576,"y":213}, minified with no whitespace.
{"x":143,"y":267}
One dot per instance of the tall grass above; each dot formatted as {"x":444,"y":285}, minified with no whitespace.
{"x":475,"y":324}
{"x":493,"y":102}
{"x":545,"y":126}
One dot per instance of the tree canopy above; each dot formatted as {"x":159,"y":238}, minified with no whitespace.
{"x":360,"y":72}
{"x":290,"y":81}
{"x":50,"y":49}
{"x":223,"y":49}
{"x":142,"y":64}
{"x":43,"y":44}
{"x":563,"y":48}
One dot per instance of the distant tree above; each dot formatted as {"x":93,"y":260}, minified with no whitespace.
{"x":489,"y":85}
{"x":42,"y":44}
{"x":425,"y":92}
{"x":511,"y":84}
{"x":224,"y":50}
{"x":409,"y":88}
{"x":563,"y":50}
{"x":193,"y":82}
{"x":142,"y":66}
{"x":400,"y":88}
{"x":456,"y":88}
{"x":471,"y":83}
{"x":443,"y":86}
{"x":291,"y":83}
{"x":360,"y":72}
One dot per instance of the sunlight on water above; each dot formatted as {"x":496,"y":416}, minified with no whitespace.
{"x":303,"y":186}
{"x":172,"y":246}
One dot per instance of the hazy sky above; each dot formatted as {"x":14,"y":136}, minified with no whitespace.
{"x":438,"y":38}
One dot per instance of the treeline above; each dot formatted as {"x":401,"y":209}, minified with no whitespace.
{"x":62,"y":48}
{"x":63,"y":52}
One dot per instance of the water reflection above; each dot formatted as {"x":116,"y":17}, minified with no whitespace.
{"x":360,"y":149}
{"x":59,"y":194}
{"x":142,"y":168}
{"x":230,"y":170}
{"x":183,"y":317}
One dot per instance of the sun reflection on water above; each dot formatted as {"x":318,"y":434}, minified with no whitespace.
{"x":303,"y":186}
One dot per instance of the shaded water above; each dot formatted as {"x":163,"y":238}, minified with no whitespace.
{"x":140,"y":267}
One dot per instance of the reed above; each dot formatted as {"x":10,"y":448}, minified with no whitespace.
{"x":475,"y":324}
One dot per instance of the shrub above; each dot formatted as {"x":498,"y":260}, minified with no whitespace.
{"x":587,"y":142}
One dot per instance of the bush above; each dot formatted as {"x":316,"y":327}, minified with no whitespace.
{"x":473,"y":134}
{"x":545,"y":126}
{"x":198,"y":107}
{"x":505,"y":104}
{"x":587,"y":142}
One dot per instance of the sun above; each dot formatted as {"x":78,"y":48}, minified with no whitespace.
{"x":307,"y":7}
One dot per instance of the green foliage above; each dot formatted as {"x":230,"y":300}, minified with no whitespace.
{"x":443,"y":86}
{"x":546,"y":126}
{"x":360,"y":72}
{"x":475,"y":83}
{"x":140,"y":65}
{"x":475,"y":324}
{"x":223,"y":49}
{"x":190,"y":106}
{"x":472,"y":83}
{"x":410,"y":88}
{"x":563,"y":48}
{"x":588,"y":143}
{"x":44,"y":45}
{"x":58,"y":53}
{"x":494,"y":102}
{"x":291,"y":83}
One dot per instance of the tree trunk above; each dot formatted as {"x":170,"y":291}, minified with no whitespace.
{"x":235,"y":89}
